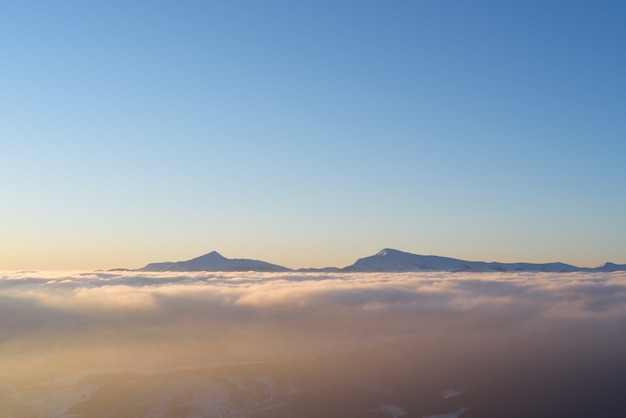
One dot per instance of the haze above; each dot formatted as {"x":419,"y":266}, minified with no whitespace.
{"x":287,"y":344}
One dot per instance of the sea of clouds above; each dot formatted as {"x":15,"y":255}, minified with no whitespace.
{"x":298,"y":313}
{"x":480,"y":330}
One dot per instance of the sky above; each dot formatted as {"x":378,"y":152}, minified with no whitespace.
{"x":311,"y":134}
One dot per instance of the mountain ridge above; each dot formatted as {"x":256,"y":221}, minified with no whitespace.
{"x":214,"y":261}
{"x":390,"y":260}
{"x":386,"y":260}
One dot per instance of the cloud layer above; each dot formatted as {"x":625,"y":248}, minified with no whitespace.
{"x":532,"y":334}
{"x":331,"y":307}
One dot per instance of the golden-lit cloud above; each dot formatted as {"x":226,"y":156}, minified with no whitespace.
{"x":381,"y":303}
{"x":417,"y":327}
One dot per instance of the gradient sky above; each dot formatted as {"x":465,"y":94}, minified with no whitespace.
{"x":311,"y":134}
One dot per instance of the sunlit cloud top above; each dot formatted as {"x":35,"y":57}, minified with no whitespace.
{"x":367,"y":304}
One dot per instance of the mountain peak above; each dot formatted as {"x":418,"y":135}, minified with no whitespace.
{"x":214,"y":261}
{"x":390,"y":260}
{"x":387,"y":251}
{"x":214,"y":254}
{"x":609,"y":267}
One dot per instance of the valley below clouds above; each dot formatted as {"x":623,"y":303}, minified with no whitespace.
{"x":130,"y":343}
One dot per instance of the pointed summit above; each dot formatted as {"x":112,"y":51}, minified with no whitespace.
{"x":214,"y":261}
{"x":212,"y":255}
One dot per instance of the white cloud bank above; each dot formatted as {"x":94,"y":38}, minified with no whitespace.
{"x":324,"y":308}
{"x":478,"y":331}
{"x":30,"y":298}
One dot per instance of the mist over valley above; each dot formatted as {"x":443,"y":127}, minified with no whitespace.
{"x":294,"y":344}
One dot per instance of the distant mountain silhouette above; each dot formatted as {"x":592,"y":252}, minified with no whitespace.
{"x":214,"y":261}
{"x":386,"y":260}
{"x":389,"y":260}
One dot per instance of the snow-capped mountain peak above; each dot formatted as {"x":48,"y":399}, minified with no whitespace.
{"x":390,"y":260}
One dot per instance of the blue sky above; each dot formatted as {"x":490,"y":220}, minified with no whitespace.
{"x":311,"y":134}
